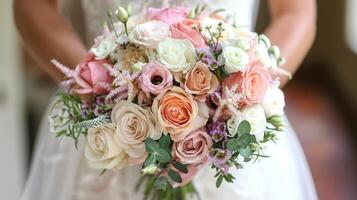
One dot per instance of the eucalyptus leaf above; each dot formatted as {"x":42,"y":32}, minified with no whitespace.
{"x":179,"y":166}
{"x":233,"y":144}
{"x":245,"y":152}
{"x":151,"y":146}
{"x":244,"y":128}
{"x":219,"y":181}
{"x":162,"y":155}
{"x":165,"y":142}
{"x":174,"y":176}
{"x":245,"y":139}
{"x":151,"y":159}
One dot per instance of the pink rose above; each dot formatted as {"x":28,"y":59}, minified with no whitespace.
{"x":185,"y":30}
{"x":168,"y":15}
{"x":252,"y":83}
{"x":193,"y":149}
{"x":155,"y":78}
{"x":90,"y":74}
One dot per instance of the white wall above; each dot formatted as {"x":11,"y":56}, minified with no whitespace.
{"x":12,"y":149}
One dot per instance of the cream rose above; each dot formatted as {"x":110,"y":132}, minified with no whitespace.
{"x":256,"y":117}
{"x":176,"y":54}
{"x":200,"y":81}
{"x":101,"y":150}
{"x":234,"y":59}
{"x":273,"y":102}
{"x":134,"y":125}
{"x":149,"y":34}
{"x":193,"y":149}
{"x":178,"y":113}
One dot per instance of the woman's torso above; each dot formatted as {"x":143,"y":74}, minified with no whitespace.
{"x":88,"y":16}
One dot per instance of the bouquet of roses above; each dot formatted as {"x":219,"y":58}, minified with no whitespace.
{"x":173,"y":90}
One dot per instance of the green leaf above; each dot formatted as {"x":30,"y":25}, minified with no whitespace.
{"x":150,"y":160}
{"x":162,"y":155}
{"x":219,"y":181}
{"x":244,"y":128}
{"x":233,"y":144}
{"x":245,"y":152}
{"x":245,"y":140}
{"x":165,"y":141}
{"x":181,"y":167}
{"x":161,"y":183}
{"x":174,"y":176}
{"x":151,"y":146}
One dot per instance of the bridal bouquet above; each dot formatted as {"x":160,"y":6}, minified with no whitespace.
{"x":173,"y":90}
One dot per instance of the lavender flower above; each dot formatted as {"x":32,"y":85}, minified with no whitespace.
{"x":207,"y":57}
{"x":100,"y":100}
{"x":98,"y":111}
{"x":84,"y":114}
{"x":218,"y":131}
{"x":219,"y":158}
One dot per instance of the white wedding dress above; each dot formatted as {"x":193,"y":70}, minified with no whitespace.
{"x":59,"y":171}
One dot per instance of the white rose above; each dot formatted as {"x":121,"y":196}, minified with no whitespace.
{"x":256,"y":117}
{"x":273,"y":102}
{"x":101,"y":150}
{"x":134,"y":125}
{"x":59,"y":117}
{"x":104,"y":48}
{"x":233,"y":124}
{"x":176,"y":54}
{"x":263,"y":55}
{"x":234,"y":59}
{"x":150,"y":33}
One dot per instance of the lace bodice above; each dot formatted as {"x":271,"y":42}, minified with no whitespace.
{"x":88,"y":16}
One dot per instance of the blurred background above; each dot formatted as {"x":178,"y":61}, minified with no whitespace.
{"x":321,"y":101}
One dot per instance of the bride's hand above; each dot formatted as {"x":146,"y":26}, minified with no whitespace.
{"x":292,"y":29}
{"x":47,"y":35}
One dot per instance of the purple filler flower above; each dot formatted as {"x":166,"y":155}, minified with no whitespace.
{"x":218,"y":131}
{"x":219,"y":158}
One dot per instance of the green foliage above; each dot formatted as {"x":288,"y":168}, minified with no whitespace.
{"x":244,"y":128}
{"x":174,"y":176}
{"x":179,"y":166}
{"x":160,"y":188}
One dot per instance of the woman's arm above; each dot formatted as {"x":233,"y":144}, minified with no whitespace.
{"x":292,"y":29}
{"x":47,"y":35}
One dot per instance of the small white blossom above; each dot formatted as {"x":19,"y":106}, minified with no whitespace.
{"x":104,"y":49}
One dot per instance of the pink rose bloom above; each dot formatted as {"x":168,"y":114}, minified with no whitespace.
{"x":155,"y":78}
{"x":253,"y":83}
{"x":185,"y":30}
{"x":90,"y":73}
{"x":193,"y":149}
{"x":168,"y":15}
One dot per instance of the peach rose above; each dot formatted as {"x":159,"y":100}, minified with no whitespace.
{"x":167,"y":15}
{"x":253,"y":83}
{"x":200,"y":81}
{"x":178,"y":113}
{"x":90,"y":73}
{"x":134,"y":125}
{"x":185,"y":30}
{"x":193,"y":149}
